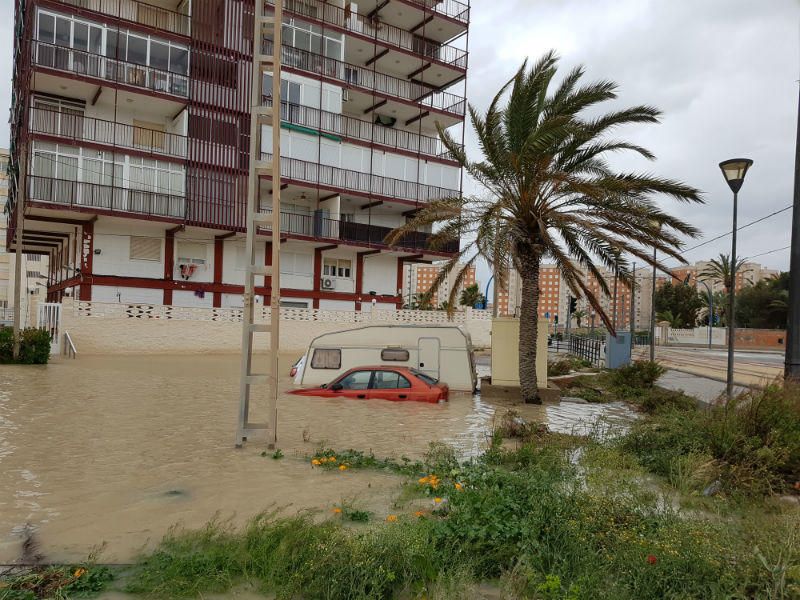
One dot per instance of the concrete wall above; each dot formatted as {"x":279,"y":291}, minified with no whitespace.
{"x":117,"y":328}
{"x":505,"y":352}
{"x":774,"y":339}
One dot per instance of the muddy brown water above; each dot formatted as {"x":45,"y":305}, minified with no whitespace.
{"x":116,"y":449}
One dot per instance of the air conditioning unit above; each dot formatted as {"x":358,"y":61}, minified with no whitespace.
{"x":328,"y":283}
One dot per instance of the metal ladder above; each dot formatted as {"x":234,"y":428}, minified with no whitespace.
{"x":262,"y":115}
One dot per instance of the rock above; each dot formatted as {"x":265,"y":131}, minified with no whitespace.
{"x":712,"y":488}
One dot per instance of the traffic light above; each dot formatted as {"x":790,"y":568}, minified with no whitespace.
{"x":573,"y":305}
{"x":556,"y":319}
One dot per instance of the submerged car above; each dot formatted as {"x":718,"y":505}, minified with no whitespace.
{"x":401,"y":384}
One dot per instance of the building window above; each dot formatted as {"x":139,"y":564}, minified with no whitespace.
{"x":145,"y":248}
{"x":325,"y":358}
{"x":191,"y":253}
{"x":337,"y":267}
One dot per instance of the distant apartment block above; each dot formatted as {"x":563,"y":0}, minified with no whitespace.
{"x":130,"y":145}
{"x":420,"y":278}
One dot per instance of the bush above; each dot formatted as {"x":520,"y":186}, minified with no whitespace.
{"x":34,"y":346}
{"x":641,"y":374}
{"x":754,"y":441}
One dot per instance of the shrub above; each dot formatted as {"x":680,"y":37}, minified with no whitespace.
{"x":34,"y":346}
{"x":638,"y":375}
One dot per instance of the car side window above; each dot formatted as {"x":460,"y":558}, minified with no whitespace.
{"x":358,"y":380}
{"x":385,"y":380}
{"x":402,"y":382}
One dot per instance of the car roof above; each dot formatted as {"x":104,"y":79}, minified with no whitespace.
{"x":380,"y":368}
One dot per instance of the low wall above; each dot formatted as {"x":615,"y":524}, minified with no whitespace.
{"x":117,"y":328}
{"x":761,"y":338}
{"x":693,"y":337}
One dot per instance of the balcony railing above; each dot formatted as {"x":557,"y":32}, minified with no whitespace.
{"x":381,"y":32}
{"x":79,"y":194}
{"x":110,"y":69}
{"x":357,"y":129}
{"x":348,"y":231}
{"x":449,"y":8}
{"x":356,"y":181}
{"x":118,"y":135}
{"x":138,"y":12}
{"x":368,"y":80}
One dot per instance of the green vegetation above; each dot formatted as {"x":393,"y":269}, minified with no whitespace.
{"x":471,"y":296}
{"x":34,"y":346}
{"x":765,"y":304}
{"x":679,"y":304}
{"x":566,"y":365}
{"x":73,"y":581}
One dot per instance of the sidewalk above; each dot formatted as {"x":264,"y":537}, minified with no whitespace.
{"x":707,"y":390}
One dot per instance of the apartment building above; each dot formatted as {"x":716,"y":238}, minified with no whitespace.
{"x":420,"y":277}
{"x":130,"y":145}
{"x":748,"y":274}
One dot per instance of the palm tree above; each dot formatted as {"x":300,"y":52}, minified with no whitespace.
{"x":471,"y":295}
{"x":675,"y":322}
{"x":422,"y":301}
{"x":719,"y":269}
{"x":550,"y":194}
{"x":579,"y":316}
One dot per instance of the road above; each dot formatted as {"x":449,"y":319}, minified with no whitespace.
{"x":750,"y":368}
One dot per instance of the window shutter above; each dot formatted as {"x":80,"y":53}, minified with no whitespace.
{"x":145,"y":248}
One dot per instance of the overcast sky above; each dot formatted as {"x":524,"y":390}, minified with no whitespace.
{"x":724,"y":72}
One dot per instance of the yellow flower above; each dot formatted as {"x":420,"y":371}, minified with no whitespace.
{"x":422,"y":480}
{"x":332,"y":459}
{"x":458,"y":486}
{"x":391,"y":518}
{"x":343,"y":467}
{"x":337,"y":510}
{"x":437,"y":500}
{"x":323,"y":460}
{"x":419,"y":513}
{"x":79,"y":572}
{"x":316,"y":462}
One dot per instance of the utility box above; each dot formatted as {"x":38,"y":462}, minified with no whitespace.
{"x":618,"y":350}
{"x":505,"y":352}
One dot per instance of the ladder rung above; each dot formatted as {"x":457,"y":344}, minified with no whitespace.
{"x":252,"y":428}
{"x":260,"y":328}
{"x":257,"y":379}
{"x":264,"y":20}
{"x":263,"y":114}
{"x":264,"y":59}
{"x":262,"y":218}
{"x":264,"y":270}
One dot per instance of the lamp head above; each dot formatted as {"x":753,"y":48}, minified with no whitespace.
{"x":734,"y":171}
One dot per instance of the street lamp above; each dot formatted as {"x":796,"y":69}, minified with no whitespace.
{"x":734,"y":171}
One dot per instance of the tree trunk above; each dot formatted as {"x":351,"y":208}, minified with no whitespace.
{"x":529,"y":328}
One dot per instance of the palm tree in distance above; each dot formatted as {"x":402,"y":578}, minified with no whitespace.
{"x":550,"y":194}
{"x":579,"y":316}
{"x":471,"y":295}
{"x":719,"y":269}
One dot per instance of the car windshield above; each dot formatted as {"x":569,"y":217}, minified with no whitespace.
{"x":425,"y":377}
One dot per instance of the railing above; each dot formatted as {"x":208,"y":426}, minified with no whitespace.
{"x":120,"y":135}
{"x":68,"y":348}
{"x":321,"y":227}
{"x":345,"y":179}
{"x":107,"y":197}
{"x":356,"y":129}
{"x":375,"y":29}
{"x":138,"y":12}
{"x":102,"y":67}
{"x":366,"y":79}
{"x":449,"y":8}
{"x":586,"y":348}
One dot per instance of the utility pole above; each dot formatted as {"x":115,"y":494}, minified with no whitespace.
{"x":263,"y":115}
{"x":633,"y":308}
{"x":20,"y":206}
{"x":792,"y":364}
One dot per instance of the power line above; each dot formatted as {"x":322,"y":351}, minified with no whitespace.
{"x":767,"y":252}
{"x":727,"y":233}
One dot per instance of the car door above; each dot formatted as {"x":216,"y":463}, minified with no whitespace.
{"x":390,"y":385}
{"x":354,"y":385}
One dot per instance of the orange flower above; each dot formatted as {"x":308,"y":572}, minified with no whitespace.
{"x":79,"y":572}
{"x":343,"y":467}
{"x":458,"y":486}
{"x":337,"y":510}
{"x":332,"y":459}
{"x":316,"y":462}
{"x":419,"y":513}
{"x":437,"y":500}
{"x":391,"y":518}
{"x":422,"y":480}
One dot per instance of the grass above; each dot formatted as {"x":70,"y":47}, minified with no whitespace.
{"x":558,"y":517}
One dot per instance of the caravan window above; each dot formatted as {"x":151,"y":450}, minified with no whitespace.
{"x":326,"y":359}
{"x":394,"y":354}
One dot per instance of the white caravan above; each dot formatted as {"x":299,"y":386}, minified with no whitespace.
{"x":443,"y":352}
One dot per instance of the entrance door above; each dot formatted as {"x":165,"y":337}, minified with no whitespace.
{"x":428,"y":360}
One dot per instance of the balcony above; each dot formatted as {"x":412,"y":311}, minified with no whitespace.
{"x":363,"y":78}
{"x":118,"y":135}
{"x":137,"y":12}
{"x":313,"y":226}
{"x":362,"y":184}
{"x":364,"y":131}
{"x":97,"y":66}
{"x":382,"y":33}
{"x":452,"y":9}
{"x":79,"y":195}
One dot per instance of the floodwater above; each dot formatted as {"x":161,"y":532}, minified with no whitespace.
{"x":116,"y":449}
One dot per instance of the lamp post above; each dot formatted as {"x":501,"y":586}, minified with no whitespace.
{"x":734,"y":171}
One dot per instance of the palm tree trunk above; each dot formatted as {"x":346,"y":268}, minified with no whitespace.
{"x":529,"y":327}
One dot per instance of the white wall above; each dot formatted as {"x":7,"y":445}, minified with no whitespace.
{"x":380,"y":274}
{"x":337,"y":305}
{"x":185,"y":298}
{"x":113,"y":239}
{"x":102,"y":293}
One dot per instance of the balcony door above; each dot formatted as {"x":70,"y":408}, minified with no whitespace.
{"x":57,"y":117}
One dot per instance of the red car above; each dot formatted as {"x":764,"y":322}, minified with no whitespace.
{"x":382,"y":383}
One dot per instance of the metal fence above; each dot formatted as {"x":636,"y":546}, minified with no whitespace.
{"x":587,"y":348}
